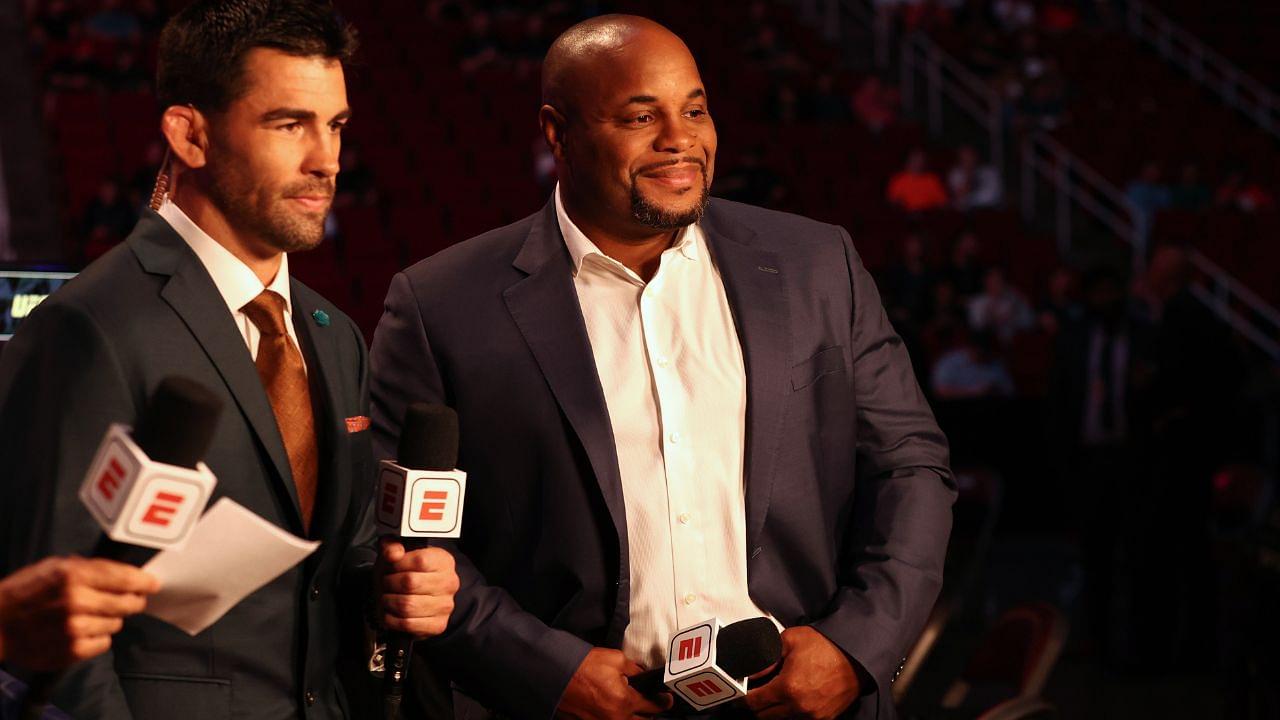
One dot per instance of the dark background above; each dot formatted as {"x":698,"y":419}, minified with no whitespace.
{"x":1128,"y":569}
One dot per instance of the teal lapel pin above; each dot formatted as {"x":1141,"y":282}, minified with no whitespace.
{"x":322,"y":318}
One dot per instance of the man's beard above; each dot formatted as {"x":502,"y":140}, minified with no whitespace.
{"x":285,"y":231}
{"x":651,"y":215}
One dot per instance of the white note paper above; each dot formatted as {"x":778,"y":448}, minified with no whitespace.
{"x":232,"y":552}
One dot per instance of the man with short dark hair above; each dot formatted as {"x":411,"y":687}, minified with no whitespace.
{"x":672,"y":408}
{"x":254,"y":104}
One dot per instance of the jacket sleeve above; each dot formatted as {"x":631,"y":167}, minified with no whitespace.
{"x":504,"y":656}
{"x":61,"y":385}
{"x":894,"y":551}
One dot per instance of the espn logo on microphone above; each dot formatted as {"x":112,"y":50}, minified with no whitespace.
{"x":420,"y":503}
{"x":692,"y":672}
{"x":142,"y":502}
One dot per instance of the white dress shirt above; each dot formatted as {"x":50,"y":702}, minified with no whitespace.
{"x":235,"y":281}
{"x":671,"y":366}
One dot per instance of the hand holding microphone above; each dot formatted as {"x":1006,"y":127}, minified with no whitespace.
{"x":62,"y":610}
{"x":817,"y":680}
{"x":417,"y":498}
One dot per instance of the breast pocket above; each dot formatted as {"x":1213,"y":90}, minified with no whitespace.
{"x":828,"y":361}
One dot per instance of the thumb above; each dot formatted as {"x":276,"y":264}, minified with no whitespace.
{"x":392,"y":551}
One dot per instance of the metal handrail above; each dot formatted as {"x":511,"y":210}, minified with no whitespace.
{"x":1076,"y":183}
{"x":1176,"y":45}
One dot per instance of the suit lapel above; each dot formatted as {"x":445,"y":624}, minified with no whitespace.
{"x":545,"y":308}
{"x":193,"y":296}
{"x":756,"y":288}
{"x":320,"y":345}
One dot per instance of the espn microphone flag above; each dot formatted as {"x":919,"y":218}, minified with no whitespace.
{"x":708,"y":665}
{"x":149,"y":488}
{"x":420,"y":495}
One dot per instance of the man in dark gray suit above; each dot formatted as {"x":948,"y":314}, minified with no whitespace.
{"x":671,"y":408}
{"x":255,"y":101}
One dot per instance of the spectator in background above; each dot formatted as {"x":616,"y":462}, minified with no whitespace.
{"x":480,"y":50}
{"x":127,"y":75}
{"x":1045,"y":105}
{"x":1000,"y":309}
{"x":114,"y":22}
{"x":355,"y":184}
{"x":973,"y":184}
{"x":77,"y":70}
{"x":1060,"y":309}
{"x":1091,"y":420}
{"x":971,"y":369}
{"x":877,"y":104}
{"x":1014,"y":15}
{"x":1190,"y":193}
{"x":1148,"y":195}
{"x":1243,"y":194}
{"x":749,"y":181}
{"x":965,"y":268}
{"x":908,"y":285}
{"x":916,"y":188}
{"x":784,"y":104}
{"x":109,"y":215}
{"x":827,"y":103}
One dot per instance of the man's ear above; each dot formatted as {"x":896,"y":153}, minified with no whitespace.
{"x":187,"y":132}
{"x":553,"y":125}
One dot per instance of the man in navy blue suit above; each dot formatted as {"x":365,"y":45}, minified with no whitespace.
{"x":672,"y":408}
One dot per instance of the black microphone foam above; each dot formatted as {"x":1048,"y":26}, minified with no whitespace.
{"x":748,"y":646}
{"x":177,"y":426}
{"x":428,"y":438}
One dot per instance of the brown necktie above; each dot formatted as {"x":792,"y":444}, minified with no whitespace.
{"x":285,"y":380}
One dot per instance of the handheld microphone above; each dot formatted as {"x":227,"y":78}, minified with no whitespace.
{"x":147,"y":487}
{"x":708,"y":665}
{"x":420,"y":497}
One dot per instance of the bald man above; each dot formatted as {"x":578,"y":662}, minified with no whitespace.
{"x":672,"y":408}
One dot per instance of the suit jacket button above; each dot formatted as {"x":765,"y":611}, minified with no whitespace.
{"x":315,"y":594}
{"x":310,"y":698}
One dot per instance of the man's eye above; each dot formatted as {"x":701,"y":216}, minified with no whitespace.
{"x":641,"y":119}
{"x":337,"y":128}
{"x":291,"y":128}
{"x":696,"y":113}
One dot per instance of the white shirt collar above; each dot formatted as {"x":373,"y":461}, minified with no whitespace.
{"x":235,"y":281}
{"x":580,"y":246}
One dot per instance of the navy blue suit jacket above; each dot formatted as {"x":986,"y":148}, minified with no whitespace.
{"x":848,"y":491}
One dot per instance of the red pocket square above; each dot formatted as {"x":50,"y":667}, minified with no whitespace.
{"x":357,"y":423}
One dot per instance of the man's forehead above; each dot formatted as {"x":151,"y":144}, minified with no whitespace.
{"x":273,"y":76}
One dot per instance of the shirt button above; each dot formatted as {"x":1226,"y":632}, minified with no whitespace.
{"x":310,"y":697}
{"x":315,"y":594}
{"x":674,"y":438}
{"x":663,"y":361}
{"x":690,"y":599}
{"x":683,"y":518}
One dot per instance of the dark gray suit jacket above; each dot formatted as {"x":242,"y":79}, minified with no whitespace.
{"x":847,"y":482}
{"x":91,"y":355}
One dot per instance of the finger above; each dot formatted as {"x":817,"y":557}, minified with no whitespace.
{"x":84,"y":600}
{"x":432,"y":559}
{"x":630,"y":668}
{"x":644,"y":706}
{"x":417,"y":606}
{"x":423,"y":627}
{"x":85,"y":648}
{"x":772,"y":693}
{"x":89,"y":626}
{"x":118,"y":577}
{"x":420,"y":583}
{"x":391,"y":550}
